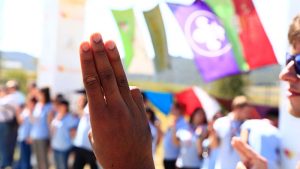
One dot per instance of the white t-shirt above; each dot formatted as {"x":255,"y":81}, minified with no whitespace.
{"x":188,"y":154}
{"x":226,"y":128}
{"x":9,"y":104}
{"x":264,"y":138}
{"x":154,"y":135}
{"x":81,"y":139}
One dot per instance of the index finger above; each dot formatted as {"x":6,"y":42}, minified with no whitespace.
{"x":244,"y":150}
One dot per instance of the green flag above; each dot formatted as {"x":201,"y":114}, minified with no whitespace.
{"x":225,"y":10}
{"x":125,"y":21}
{"x":158,"y":35}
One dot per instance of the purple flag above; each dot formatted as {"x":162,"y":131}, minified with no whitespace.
{"x":213,"y":53}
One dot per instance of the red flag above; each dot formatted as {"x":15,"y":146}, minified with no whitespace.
{"x":195,"y":97}
{"x":256,"y":45}
{"x":189,"y":99}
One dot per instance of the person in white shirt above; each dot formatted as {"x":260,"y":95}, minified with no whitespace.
{"x":263,"y":136}
{"x":82,"y":146}
{"x":291,"y":75}
{"x":10,"y":105}
{"x":226,"y":128}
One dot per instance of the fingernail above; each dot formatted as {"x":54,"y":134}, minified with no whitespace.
{"x":97,"y":38}
{"x":85,"y":47}
{"x":111,"y":45}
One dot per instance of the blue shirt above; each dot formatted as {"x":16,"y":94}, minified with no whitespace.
{"x":81,"y":140}
{"x":24,"y":128}
{"x":171,"y":151}
{"x":40,"y":129}
{"x":61,"y":139}
{"x":188,"y":155}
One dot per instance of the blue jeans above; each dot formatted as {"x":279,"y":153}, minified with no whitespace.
{"x":25,"y":154}
{"x":8,"y":136}
{"x":61,"y":159}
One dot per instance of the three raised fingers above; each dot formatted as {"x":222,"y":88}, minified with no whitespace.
{"x":105,"y":70}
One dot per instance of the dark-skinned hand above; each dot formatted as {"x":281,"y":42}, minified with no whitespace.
{"x":120,"y":134}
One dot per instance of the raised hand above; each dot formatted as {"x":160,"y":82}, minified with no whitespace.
{"x":249,"y":158}
{"x":120,"y":134}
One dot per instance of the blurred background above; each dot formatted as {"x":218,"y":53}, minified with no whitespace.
{"x":167,"y":47}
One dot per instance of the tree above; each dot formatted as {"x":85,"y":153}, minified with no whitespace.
{"x":20,"y":75}
{"x":229,"y":87}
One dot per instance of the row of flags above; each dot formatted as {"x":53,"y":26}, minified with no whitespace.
{"x":192,"y":98}
{"x":226,"y":37}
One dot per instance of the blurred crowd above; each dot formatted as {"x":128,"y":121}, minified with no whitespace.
{"x":43,"y":129}
{"x":47,"y":133}
{"x":194,"y":142}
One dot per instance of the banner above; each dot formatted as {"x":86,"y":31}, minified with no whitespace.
{"x":257,"y":48}
{"x":214,"y":57}
{"x":162,"y":100}
{"x":125,"y":21}
{"x":196,"y":97}
{"x":158,"y":36}
{"x":225,"y":11}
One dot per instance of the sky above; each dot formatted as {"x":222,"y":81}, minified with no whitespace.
{"x":22,"y":24}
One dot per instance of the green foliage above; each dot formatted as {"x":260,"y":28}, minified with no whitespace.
{"x":20,"y":75}
{"x":229,"y":87}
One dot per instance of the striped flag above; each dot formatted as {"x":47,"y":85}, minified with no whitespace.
{"x":195,"y":97}
{"x":225,"y":11}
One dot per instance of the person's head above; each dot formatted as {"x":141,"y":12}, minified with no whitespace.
{"x":198,"y":117}
{"x":57,"y":99}
{"x":30,"y":102}
{"x":273,"y":115}
{"x":178,"y":109}
{"x":44,"y":95}
{"x":12,"y":86}
{"x":82,"y":99}
{"x":32,"y":88}
{"x":62,"y":105}
{"x":291,"y":72}
{"x":150,"y":115}
{"x":241,"y":108}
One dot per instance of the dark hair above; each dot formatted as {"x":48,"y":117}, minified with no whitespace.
{"x":272,"y":113}
{"x":46,"y":93}
{"x":63,"y":101}
{"x":180,"y":106}
{"x":33,"y":100}
{"x":145,"y":99}
{"x":152,"y":115}
{"x":59,"y":97}
{"x":194,"y":114}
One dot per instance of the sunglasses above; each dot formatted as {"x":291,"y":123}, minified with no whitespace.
{"x":296,"y":59}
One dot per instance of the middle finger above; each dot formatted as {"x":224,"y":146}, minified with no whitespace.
{"x":105,"y":71}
